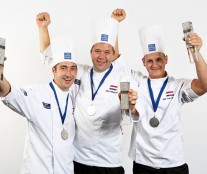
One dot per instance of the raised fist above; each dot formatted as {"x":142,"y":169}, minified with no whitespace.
{"x":43,"y":19}
{"x":118,"y":14}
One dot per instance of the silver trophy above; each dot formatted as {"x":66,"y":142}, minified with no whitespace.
{"x":2,"y":54}
{"x":125,"y":109}
{"x":2,"y":50}
{"x":187,"y":29}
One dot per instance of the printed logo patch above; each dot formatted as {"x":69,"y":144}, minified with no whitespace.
{"x":77,"y":82}
{"x":104,"y":37}
{"x":67,"y":55}
{"x":46,"y":105}
{"x":169,"y":93}
{"x":151,"y":47}
{"x":113,"y":89}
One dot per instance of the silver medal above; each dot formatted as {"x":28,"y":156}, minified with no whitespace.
{"x":154,"y":122}
{"x":64,"y":134}
{"x":91,"y":110}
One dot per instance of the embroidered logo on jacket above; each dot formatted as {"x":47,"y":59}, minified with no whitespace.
{"x":113,"y":89}
{"x":46,"y":105}
{"x":77,"y":82}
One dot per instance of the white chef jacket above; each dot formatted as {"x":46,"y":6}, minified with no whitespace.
{"x":46,"y":152}
{"x":98,"y":138}
{"x":160,"y":147}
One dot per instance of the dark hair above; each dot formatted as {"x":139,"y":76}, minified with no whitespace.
{"x":56,"y":66}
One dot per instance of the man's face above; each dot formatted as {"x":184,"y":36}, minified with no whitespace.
{"x":64,"y":75}
{"x":155,"y":64}
{"x":102,"y":56}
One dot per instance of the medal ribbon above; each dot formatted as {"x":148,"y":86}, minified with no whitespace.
{"x":155,"y":104}
{"x":62,"y":116}
{"x":101,"y":83}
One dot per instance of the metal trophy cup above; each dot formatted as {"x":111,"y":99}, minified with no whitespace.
{"x":125,"y":109}
{"x":2,"y":55}
{"x":187,"y":29}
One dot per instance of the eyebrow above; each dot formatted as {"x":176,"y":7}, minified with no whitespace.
{"x":68,"y":66}
{"x":63,"y":66}
{"x":74,"y":66}
{"x":102,"y":50}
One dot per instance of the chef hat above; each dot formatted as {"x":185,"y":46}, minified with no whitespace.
{"x":105,"y":31}
{"x":62,"y":49}
{"x":152,"y":39}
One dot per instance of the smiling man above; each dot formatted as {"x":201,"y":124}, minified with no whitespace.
{"x":49,"y":111}
{"x":155,"y":64}
{"x":157,"y":142}
{"x":100,"y":55}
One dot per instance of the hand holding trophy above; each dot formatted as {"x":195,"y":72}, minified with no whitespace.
{"x":188,"y":29}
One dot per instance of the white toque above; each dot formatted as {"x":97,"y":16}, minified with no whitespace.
{"x":105,"y":31}
{"x":152,"y":39}
{"x":62,"y":49}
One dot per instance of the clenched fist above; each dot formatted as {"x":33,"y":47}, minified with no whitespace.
{"x":43,"y":19}
{"x":118,"y":14}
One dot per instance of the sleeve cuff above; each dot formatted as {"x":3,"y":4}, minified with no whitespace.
{"x":46,"y":58}
{"x":12,"y":94}
{"x":190,"y":92}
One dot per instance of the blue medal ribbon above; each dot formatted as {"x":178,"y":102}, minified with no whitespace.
{"x":62,"y":116}
{"x":155,"y":104}
{"x":101,"y":83}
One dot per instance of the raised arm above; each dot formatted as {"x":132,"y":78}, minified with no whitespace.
{"x":5,"y":87}
{"x":119,"y":15}
{"x":199,"y":86}
{"x":43,"y":20}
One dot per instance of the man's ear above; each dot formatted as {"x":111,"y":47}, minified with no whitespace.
{"x":143,"y":61}
{"x":166,"y":59}
{"x":53,"y":70}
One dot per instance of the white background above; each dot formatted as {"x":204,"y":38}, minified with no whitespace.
{"x":18,"y":26}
